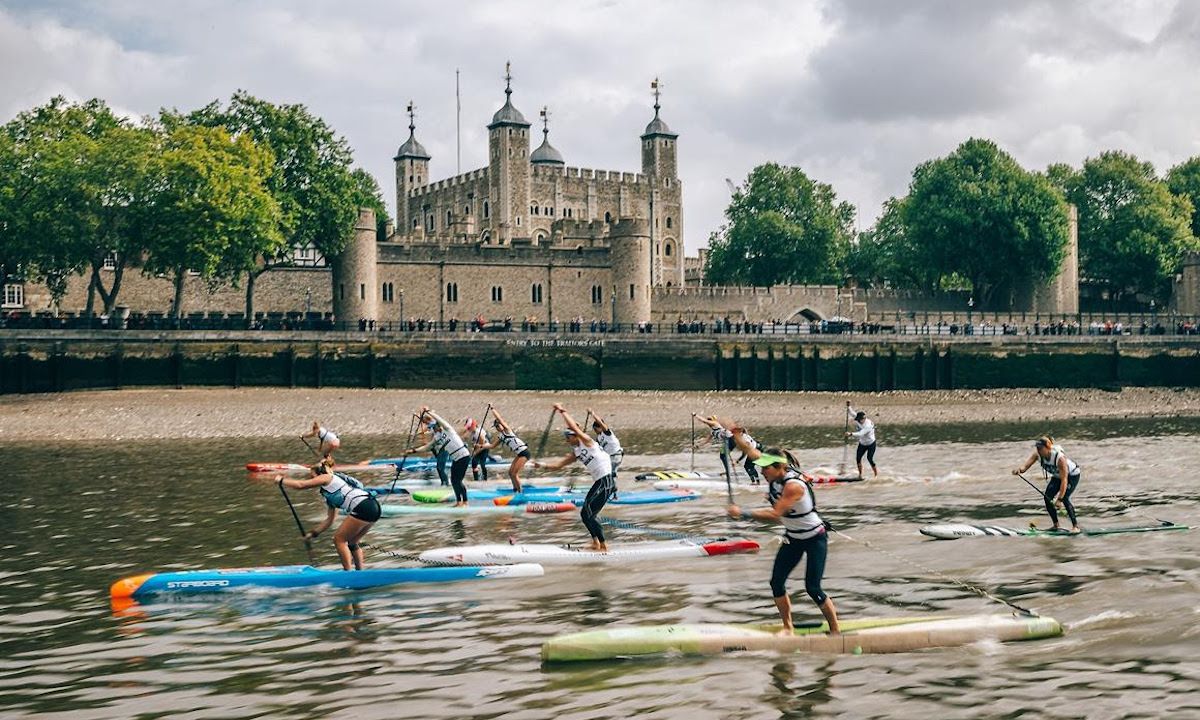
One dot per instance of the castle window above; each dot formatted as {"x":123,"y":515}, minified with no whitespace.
{"x":668,"y":226}
{"x":597,"y":295}
{"x":416,"y":223}
{"x":362,"y":291}
{"x":518,"y":221}
{"x":667,"y":249}
{"x":533,"y":210}
{"x":466,"y":209}
{"x":657,"y":248}
{"x":497,"y":294}
{"x":541,"y":238}
{"x":535,"y":294}
{"x":448,"y":223}
{"x":418,"y":178}
{"x":410,"y":178}
{"x":550,"y":211}
{"x":630,"y":291}
{"x":14,"y":295}
{"x":607,"y":217}
{"x":388,"y":292}
{"x":452,"y":292}
{"x":341,"y":291}
{"x":485,"y":210}
{"x":429,"y":223}
{"x":668,"y":283}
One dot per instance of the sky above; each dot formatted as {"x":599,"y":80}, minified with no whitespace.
{"x":855,"y":92}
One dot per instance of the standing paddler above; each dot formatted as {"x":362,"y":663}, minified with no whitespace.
{"x":864,"y":433}
{"x":446,"y":440}
{"x":518,"y":447}
{"x":341,"y":493}
{"x":794,"y":505}
{"x":327,"y":440}
{"x":1063,"y":476}
{"x":481,"y":446}
{"x":609,"y":443}
{"x":588,"y":453}
{"x":722,"y":436}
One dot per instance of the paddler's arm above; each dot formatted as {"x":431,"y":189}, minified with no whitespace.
{"x":748,"y":450}
{"x":558,"y":464}
{"x":323,"y":525}
{"x":1028,"y":464}
{"x":1062,"y":477}
{"x":316,"y":428}
{"x":303,"y":483}
{"x":792,"y":493}
{"x":599,"y":421}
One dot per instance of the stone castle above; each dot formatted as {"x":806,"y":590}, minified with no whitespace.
{"x":528,"y":236}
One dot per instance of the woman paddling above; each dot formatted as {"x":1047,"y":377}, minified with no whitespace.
{"x":723,"y":437}
{"x":519,"y":448}
{"x":1064,"y":477}
{"x":608,"y":442}
{"x":341,"y":493}
{"x":446,"y":440}
{"x":588,"y":453}
{"x":327,"y":440}
{"x":864,"y":433}
{"x":793,"y":504}
{"x":481,"y":444}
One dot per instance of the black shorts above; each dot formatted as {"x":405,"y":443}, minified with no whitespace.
{"x":368,"y":510}
{"x":525,"y":454}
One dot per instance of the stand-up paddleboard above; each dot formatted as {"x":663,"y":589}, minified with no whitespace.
{"x":868,"y":635}
{"x":672,"y":475}
{"x":422,"y":464}
{"x":534,"y":508}
{"x":702,"y":485}
{"x":437,"y":495}
{"x":952,"y":531}
{"x":295,"y":576}
{"x":562,"y":555}
{"x":647,"y":497}
{"x":265,"y":467}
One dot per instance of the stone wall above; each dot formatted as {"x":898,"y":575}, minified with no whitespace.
{"x":1185,"y":296}
{"x":786,"y":303}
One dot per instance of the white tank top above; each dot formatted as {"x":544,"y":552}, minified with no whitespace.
{"x":445,"y":440}
{"x":514,"y":443}
{"x":479,"y":437}
{"x":801,"y":520}
{"x":594,"y":459}
{"x":1050,"y":464}
{"x":326,"y":436}
{"x":340,"y":494}
{"x":609,"y":443}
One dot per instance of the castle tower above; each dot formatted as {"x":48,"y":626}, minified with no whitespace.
{"x":546,"y":154}
{"x":664,"y":199}
{"x":1061,"y":295}
{"x":508,"y":169}
{"x":355,"y":286}
{"x":629,"y":246}
{"x":412,"y":171}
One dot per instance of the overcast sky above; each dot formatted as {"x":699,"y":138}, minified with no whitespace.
{"x":857,"y":93}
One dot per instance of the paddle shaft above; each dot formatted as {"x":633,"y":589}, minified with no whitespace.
{"x":296,"y":517}
{"x":408,"y":441}
{"x":1035,"y":487}
{"x":693,"y":467}
{"x":845,"y":442}
{"x":541,"y":448}
{"x":310,"y":447}
{"x":482,"y":424}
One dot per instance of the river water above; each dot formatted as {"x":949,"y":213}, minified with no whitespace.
{"x":79,"y":516}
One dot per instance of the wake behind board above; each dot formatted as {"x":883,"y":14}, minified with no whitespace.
{"x":559,"y":555}
{"x":296,"y":576}
{"x":867,"y":635}
{"x":952,"y":531}
{"x":434,"y":509}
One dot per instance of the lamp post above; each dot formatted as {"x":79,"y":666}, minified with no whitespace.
{"x":402,"y":309}
{"x":307,"y":306}
{"x":970,"y":308}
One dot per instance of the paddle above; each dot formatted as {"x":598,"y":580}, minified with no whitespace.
{"x":299,"y":525}
{"x":694,"y":442}
{"x":1037,"y":489}
{"x":845,"y":442}
{"x":728,"y":463}
{"x":541,"y":448}
{"x":310,"y":447}
{"x":412,"y":424}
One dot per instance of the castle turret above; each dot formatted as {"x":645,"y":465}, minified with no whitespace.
{"x":1060,"y":296}
{"x":412,"y":171}
{"x":629,"y":256}
{"x":546,"y":154}
{"x":355,"y":290}
{"x":665,"y":198}
{"x":508,"y":169}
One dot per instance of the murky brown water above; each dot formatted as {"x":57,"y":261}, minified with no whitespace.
{"x":77,"y":517}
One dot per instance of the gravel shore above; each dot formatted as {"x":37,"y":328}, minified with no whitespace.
{"x":275,"y":412}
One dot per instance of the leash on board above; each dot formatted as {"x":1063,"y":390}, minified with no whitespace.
{"x":949,"y":578}
{"x":637,"y":527}
{"x":404,"y":555}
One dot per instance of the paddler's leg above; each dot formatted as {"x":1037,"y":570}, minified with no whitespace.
{"x":1049,"y":497}
{"x":858,"y":456}
{"x":341,"y":540}
{"x":365,"y":513}
{"x":441,"y":468}
{"x":871,"y":459}
{"x":786,"y":560}
{"x":514,"y":470}
{"x":817,"y":549}
{"x":593,"y":503}
{"x":1072,"y":482}
{"x":458,"y":471}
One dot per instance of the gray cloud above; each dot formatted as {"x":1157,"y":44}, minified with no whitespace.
{"x":857,"y":93}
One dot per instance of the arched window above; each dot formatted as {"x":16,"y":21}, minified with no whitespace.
{"x":448,"y":223}
{"x":497,"y":294}
{"x":607,"y":217}
{"x":668,"y":223}
{"x":466,"y":209}
{"x":535,"y":294}
{"x":541,"y":238}
{"x":667,"y":249}
{"x":486,"y":215}
{"x":597,"y":295}
{"x":534,"y":209}
{"x":657,"y":248}
{"x":486,"y":237}
{"x":429,"y":223}
{"x":452,"y":292}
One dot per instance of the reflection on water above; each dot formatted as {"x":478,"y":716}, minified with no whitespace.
{"x":79,"y":516}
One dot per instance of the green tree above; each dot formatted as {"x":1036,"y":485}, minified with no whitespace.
{"x":887,"y":254}
{"x":782,"y":228}
{"x":369,"y":195}
{"x":310,"y":179}
{"x":978,"y":215}
{"x":1184,"y":181}
{"x":210,"y":211}
{"x":1133,"y":232}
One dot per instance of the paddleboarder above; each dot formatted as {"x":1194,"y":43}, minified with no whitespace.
{"x":599,"y":466}
{"x":722,"y":436}
{"x":446,"y":440}
{"x":518,"y":447}
{"x":864,"y":433}
{"x":480,"y":446}
{"x":341,"y":493}
{"x":794,"y":505}
{"x":1063,"y":475}
{"x":327,"y":440}
{"x":608,"y":441}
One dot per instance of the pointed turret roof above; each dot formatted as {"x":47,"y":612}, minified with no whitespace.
{"x":508,"y":115}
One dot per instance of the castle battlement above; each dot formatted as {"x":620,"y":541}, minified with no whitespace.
{"x":495,"y":255}
{"x":473,"y":177}
{"x":782,"y":291}
{"x":611,"y":176}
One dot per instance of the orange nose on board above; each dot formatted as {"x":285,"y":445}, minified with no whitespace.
{"x":127,"y":586}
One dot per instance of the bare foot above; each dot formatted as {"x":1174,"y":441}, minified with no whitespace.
{"x":1075,"y":530}
{"x":786,"y":632}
